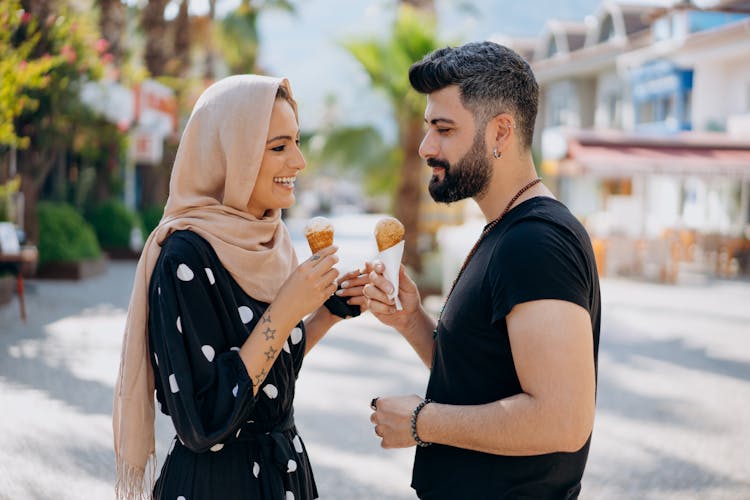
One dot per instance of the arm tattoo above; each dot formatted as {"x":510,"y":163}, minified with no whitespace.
{"x":269,"y":333}
{"x":270,"y":353}
{"x":267,"y":318}
{"x":259,"y":377}
{"x":315,"y":257}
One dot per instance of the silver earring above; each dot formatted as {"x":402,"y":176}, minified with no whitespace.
{"x":497,"y":154}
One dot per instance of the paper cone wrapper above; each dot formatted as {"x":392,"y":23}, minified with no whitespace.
{"x":391,"y":259}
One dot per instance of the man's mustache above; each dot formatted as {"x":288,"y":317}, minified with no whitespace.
{"x":435,"y":162}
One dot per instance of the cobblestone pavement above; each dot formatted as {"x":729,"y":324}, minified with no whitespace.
{"x":673,"y":417}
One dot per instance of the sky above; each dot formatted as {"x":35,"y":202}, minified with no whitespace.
{"x":305,"y":46}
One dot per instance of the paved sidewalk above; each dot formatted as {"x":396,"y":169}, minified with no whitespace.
{"x":672,"y":418}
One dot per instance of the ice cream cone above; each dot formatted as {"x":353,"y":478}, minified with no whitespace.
{"x":389,"y":235}
{"x":319,"y":233}
{"x":389,"y":232}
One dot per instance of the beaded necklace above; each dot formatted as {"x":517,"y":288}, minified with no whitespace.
{"x":489,"y":227}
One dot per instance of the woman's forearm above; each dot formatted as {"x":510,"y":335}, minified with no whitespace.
{"x":265,"y":342}
{"x":317,"y":325}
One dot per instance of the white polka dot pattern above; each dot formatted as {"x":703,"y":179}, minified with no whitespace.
{"x":286,"y":347}
{"x":179,"y":324}
{"x":173,"y":384}
{"x":271,"y":391}
{"x":296,"y":335}
{"x":246,"y":314}
{"x":289,"y":495}
{"x":291,"y":466}
{"x":297,"y":442}
{"x":184,"y":273}
{"x":235,"y":389}
{"x":217,"y":447}
{"x":208,"y":352}
{"x":256,"y":469}
{"x":210,"y":276}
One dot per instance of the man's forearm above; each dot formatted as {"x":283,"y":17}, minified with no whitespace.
{"x":518,"y":426}
{"x":419,"y":335}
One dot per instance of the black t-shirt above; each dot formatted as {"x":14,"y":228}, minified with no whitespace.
{"x":538,"y":251}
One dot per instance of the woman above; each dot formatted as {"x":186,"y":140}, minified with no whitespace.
{"x":215,"y":324}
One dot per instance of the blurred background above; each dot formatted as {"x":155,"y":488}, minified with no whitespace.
{"x":643,"y":131}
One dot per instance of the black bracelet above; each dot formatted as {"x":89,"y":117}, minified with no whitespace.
{"x":414,"y":414}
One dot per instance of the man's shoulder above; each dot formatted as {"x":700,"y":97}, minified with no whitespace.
{"x":543,"y":215}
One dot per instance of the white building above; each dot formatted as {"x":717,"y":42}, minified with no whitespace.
{"x":645,"y":127}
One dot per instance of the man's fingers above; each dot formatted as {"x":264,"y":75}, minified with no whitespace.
{"x":381,"y":282}
{"x":354,"y":291}
{"x":380,"y":308}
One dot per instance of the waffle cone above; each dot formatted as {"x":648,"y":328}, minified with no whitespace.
{"x":319,"y":233}
{"x":389,"y":232}
{"x":318,"y":240}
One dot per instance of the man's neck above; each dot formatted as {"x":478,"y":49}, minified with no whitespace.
{"x":506,"y":183}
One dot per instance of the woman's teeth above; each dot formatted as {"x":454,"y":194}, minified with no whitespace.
{"x":289,"y":181}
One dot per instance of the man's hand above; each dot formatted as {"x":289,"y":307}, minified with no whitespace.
{"x":392,"y":420}
{"x":377,"y":291}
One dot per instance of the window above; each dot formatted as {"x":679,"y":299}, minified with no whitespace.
{"x":607,"y":30}
{"x":646,"y":112}
{"x":552,"y":47}
{"x":666,"y":108}
{"x":612,"y":104}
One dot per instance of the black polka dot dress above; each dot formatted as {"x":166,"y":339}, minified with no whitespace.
{"x":230,"y":444}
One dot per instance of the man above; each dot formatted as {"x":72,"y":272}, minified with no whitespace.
{"x":510,"y":400}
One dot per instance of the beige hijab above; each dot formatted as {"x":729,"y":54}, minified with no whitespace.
{"x":214,"y":174}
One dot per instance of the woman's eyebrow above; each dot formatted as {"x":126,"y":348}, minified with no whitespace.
{"x":285,"y":137}
{"x":278,"y":137}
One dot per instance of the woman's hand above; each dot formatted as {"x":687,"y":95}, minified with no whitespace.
{"x":310,"y":284}
{"x":351,"y":285}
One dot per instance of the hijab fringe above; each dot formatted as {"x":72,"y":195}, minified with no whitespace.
{"x":132,"y":482}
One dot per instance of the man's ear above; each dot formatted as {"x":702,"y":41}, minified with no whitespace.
{"x":503,"y":126}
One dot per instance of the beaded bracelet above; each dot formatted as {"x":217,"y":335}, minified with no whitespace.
{"x":414,"y":414}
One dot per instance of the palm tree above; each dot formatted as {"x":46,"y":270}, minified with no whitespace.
{"x":112,"y":24}
{"x":155,"y":28}
{"x":239,"y":38}
{"x":386,"y":63}
{"x":182,"y":41}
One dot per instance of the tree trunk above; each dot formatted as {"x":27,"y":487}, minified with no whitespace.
{"x":34,"y":168}
{"x":182,"y":40}
{"x":112,"y":21}
{"x":30,"y":220}
{"x":408,"y":195}
{"x":155,"y":28}
{"x":210,"y":70}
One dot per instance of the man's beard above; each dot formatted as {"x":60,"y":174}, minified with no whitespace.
{"x":468,"y":178}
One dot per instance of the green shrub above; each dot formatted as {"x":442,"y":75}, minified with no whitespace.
{"x":151,"y":217}
{"x":113,"y":222}
{"x":64,"y":235}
